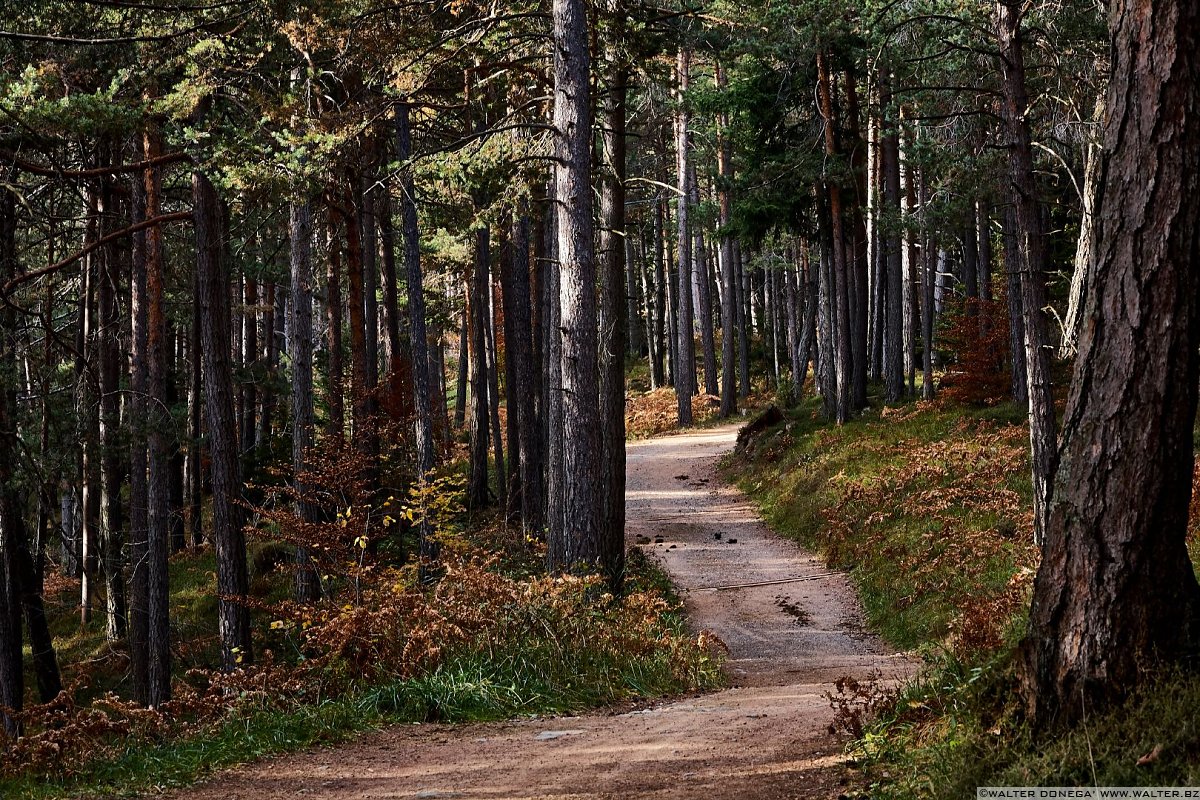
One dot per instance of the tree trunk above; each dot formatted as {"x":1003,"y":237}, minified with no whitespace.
{"x":139,"y":525}
{"x":928,"y":302}
{"x":250,"y":369}
{"x":703,"y":297}
{"x":333,"y":316}
{"x":159,"y":463}
{"x":575,"y":536}
{"x":493,"y":381}
{"x":685,"y":348}
{"x":477,"y":310}
{"x":841,"y":291}
{"x":361,"y":424}
{"x":614,"y":322}
{"x":228,"y":539}
{"x":306,"y":582}
{"x":742,"y":323}
{"x":1030,"y":248}
{"x":1085,"y":247}
{"x":108,"y":355}
{"x":521,"y":349}
{"x":195,"y":479}
{"x":893,"y":279}
{"x":658,"y":371}
{"x":1116,"y":592}
{"x":460,"y":382}
{"x":728,"y":270}
{"x":857,"y":264}
{"x":414,"y":283}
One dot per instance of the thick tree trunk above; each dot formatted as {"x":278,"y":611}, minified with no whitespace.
{"x":1116,"y":592}
{"x":228,"y":539}
{"x":614,"y":322}
{"x":575,"y":537}
{"x":1030,"y":249}
{"x":1016,"y":314}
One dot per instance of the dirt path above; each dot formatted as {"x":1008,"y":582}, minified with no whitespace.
{"x":764,"y":738}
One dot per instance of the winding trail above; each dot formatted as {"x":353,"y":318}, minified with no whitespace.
{"x":764,"y":738}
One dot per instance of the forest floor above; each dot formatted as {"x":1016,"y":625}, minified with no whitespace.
{"x":767,"y":736}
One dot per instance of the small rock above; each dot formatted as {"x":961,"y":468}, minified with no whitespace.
{"x":546,"y":736}
{"x":672,"y":547}
{"x":717,"y":536}
{"x":731,"y":541}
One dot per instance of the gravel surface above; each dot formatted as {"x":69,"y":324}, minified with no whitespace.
{"x":765,"y":737}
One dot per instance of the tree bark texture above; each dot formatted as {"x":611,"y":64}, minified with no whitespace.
{"x":574,"y":538}
{"x":228,"y":539}
{"x":1116,"y":591}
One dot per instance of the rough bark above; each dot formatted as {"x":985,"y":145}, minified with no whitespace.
{"x":159,"y":464}
{"x":306,"y":583}
{"x":1116,"y":592}
{"x":614,"y":320}
{"x":228,"y":539}
{"x":415,"y":282}
{"x":1030,"y":250}
{"x":574,"y":538}
{"x":477,"y":312}
{"x":841,"y":290}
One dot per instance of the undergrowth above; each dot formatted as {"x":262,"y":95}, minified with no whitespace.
{"x":927,"y":507}
{"x":492,"y":638}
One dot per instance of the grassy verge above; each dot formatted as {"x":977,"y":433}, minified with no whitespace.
{"x":927,"y":508}
{"x":492,"y":640}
